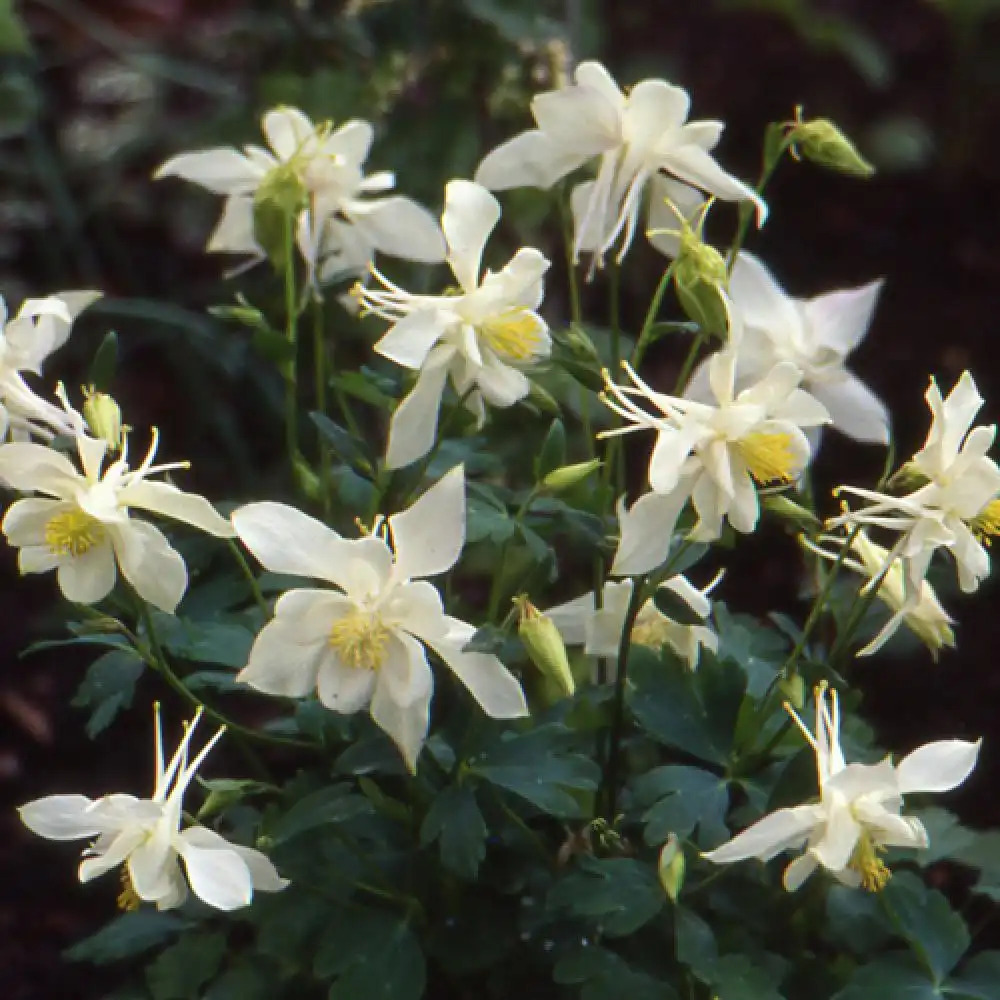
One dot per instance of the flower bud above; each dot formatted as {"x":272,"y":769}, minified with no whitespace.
{"x":544,"y":645}
{"x":568,"y":476}
{"x":672,"y":867}
{"x":104,"y":417}
{"x":785,"y":509}
{"x":580,"y":344}
{"x":823,"y":143}
{"x":699,"y":277}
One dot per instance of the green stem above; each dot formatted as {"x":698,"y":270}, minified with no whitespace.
{"x":651,"y":313}
{"x":496,"y":592}
{"x":747,"y":208}
{"x":291,"y":337}
{"x":241,"y":561}
{"x":320,"y":363}
{"x":692,"y":356}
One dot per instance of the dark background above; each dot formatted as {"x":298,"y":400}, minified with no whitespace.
{"x":110,"y":89}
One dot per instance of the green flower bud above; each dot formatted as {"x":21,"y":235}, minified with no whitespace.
{"x":794,"y":690}
{"x":567,"y":476}
{"x":580,"y":344}
{"x":672,"y":867}
{"x":823,"y":143}
{"x":786,"y":509}
{"x":104,"y":418}
{"x":699,"y":277}
{"x":544,"y":645}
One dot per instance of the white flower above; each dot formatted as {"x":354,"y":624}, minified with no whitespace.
{"x":921,"y":612}
{"x":599,"y":630}
{"x":481,"y":336}
{"x":858,"y":813}
{"x":81,"y":526}
{"x":145,"y":835}
{"x":362,"y":645}
{"x":713,"y":454}
{"x":957,"y":507}
{"x":814,"y":334}
{"x":39,"y":328}
{"x":636,"y":137}
{"x":340,"y":228}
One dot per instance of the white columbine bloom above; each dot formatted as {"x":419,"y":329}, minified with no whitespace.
{"x":146,"y":836}
{"x":715,"y":454}
{"x":858,"y":813}
{"x":81,"y":526}
{"x":481,"y":336}
{"x":599,"y":630}
{"x":363,"y":643}
{"x":815,"y":334}
{"x":340,"y":226}
{"x":39,"y":328}
{"x":635,"y":137}
{"x":956,"y":507}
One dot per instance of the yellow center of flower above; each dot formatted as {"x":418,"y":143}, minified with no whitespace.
{"x":360,"y":639}
{"x":986,"y":524}
{"x":866,"y":862}
{"x":769,"y":458}
{"x":73,"y":533}
{"x":514,"y":334}
{"x":128,"y":899}
{"x":652,"y":633}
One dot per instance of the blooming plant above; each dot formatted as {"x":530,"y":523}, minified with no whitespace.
{"x":503,"y":730}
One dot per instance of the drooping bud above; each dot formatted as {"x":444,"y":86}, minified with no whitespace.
{"x":672,"y":867}
{"x":568,"y":476}
{"x":700,"y":276}
{"x":544,"y":645}
{"x":822,"y":142}
{"x":104,"y":417}
{"x":799,"y":518}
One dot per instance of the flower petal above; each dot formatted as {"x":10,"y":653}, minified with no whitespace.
{"x":398,"y":226}
{"x":150,"y":564}
{"x":470,"y":215}
{"x":234,"y":232}
{"x":32,"y":467}
{"x":937,"y":767}
{"x":839,"y":320}
{"x":217,"y":873}
{"x":854,"y":409}
{"x":60,"y":817}
{"x":413,"y":426}
{"x":409,"y":341}
{"x":694,"y":166}
{"x":286,"y":129}
{"x":221,"y":170}
{"x":87,"y":578}
{"x":647,"y":529}
{"x":428,"y":536}
{"x":341,"y":687}
{"x":401,"y":703}
{"x":530,"y":159}
{"x":163,"y":498}
{"x":798,"y":871}
{"x":769,"y":836}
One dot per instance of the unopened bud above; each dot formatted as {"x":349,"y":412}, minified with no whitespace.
{"x":794,"y":690}
{"x":823,"y":143}
{"x":568,"y":476}
{"x":672,"y":867}
{"x":104,"y":417}
{"x":907,"y":478}
{"x":544,"y":645}
{"x":699,"y":278}
{"x":786,"y":509}
{"x":579,"y":342}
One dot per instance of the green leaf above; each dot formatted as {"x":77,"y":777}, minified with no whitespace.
{"x":694,"y":940}
{"x":855,"y":920}
{"x":126,"y":936}
{"x":367,"y":386}
{"x":455,"y":821}
{"x":108,"y":687}
{"x":249,"y":979}
{"x":895,"y":977}
{"x":486,"y":522}
{"x":342,"y":443}
{"x":14,"y":39}
{"x":619,"y":894}
{"x":225,"y":643}
{"x":737,"y":977}
{"x":290,"y":923}
{"x":978,"y":980}
{"x":272,"y":345}
{"x":607,"y":976}
{"x":694,"y":712}
{"x":182,"y":970}
{"x":675,"y":607}
{"x":102,"y":369}
{"x":335,"y":804}
{"x":681,"y":798}
{"x":552,"y":453}
{"x":924,"y":917}
{"x":759,"y":650}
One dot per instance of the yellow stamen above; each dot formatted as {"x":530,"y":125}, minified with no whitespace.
{"x":128,"y":899}
{"x":769,"y":458}
{"x":866,"y":862}
{"x":986,"y":524}
{"x":73,"y":533}
{"x":360,"y":639}
{"x":652,"y":633}
{"x":515,"y":334}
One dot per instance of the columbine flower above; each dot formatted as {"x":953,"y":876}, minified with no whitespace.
{"x":858,"y":814}
{"x":81,"y":526}
{"x":921,"y":612}
{"x":636,"y":137}
{"x":481,"y":337}
{"x":39,"y":328}
{"x":146,"y":836}
{"x":815,"y":334}
{"x":714,"y":455}
{"x":956,"y":507}
{"x":599,"y":630}
{"x":362,"y":645}
{"x":317,"y":169}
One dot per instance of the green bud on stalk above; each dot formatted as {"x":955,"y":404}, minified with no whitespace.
{"x":544,"y":645}
{"x":672,"y":867}
{"x":104,"y":417}
{"x":568,"y":476}
{"x":822,"y":142}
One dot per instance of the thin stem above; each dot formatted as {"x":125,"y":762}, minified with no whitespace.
{"x":692,"y":356}
{"x":747,"y":208}
{"x":291,"y":336}
{"x":651,"y":313}
{"x":320,"y":362}
{"x":241,"y":561}
{"x":496,"y":593}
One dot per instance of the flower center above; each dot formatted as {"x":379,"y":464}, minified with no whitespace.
{"x":769,"y":458}
{"x":73,"y":532}
{"x":128,"y":899}
{"x":652,"y":633}
{"x":866,"y":862}
{"x":360,"y":639}
{"x":513,"y":334}
{"x":986,"y":524}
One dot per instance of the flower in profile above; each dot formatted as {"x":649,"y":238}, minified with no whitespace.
{"x":859,"y":810}
{"x":363,"y":644}
{"x":599,"y":629}
{"x":715,"y":454}
{"x":145,"y":836}
{"x":40,"y":327}
{"x":481,"y":337}
{"x":81,"y":526}
{"x":316,"y":173}
{"x":921,"y":612}
{"x":636,"y":137}
{"x":956,"y":505}
{"x":815,"y":334}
